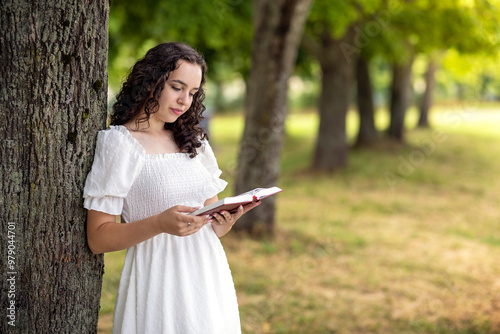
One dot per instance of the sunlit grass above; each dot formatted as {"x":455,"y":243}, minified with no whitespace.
{"x":405,"y":240}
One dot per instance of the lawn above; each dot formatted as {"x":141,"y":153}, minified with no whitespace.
{"x":405,"y":240}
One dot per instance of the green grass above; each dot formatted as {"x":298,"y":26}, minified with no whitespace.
{"x":374,"y":248}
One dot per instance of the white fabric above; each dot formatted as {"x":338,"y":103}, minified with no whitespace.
{"x":169,"y":284}
{"x":117,"y":163}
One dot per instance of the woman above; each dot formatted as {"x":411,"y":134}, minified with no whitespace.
{"x":153,"y":166}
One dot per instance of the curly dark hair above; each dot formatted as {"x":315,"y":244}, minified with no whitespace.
{"x":144,"y":86}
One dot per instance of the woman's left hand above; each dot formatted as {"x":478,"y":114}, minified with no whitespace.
{"x":224,"y":221}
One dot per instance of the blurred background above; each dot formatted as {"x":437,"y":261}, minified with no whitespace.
{"x":383,"y":121}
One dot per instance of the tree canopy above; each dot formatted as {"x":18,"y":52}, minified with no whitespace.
{"x":221,"y":30}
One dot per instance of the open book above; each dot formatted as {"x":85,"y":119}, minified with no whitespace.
{"x":231,"y":204}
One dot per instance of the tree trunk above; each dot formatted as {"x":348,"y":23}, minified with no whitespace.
{"x":53,"y":94}
{"x":218,"y":96}
{"x":331,"y":150}
{"x":278,"y":26}
{"x":367,"y":134}
{"x":426,"y":102}
{"x":400,"y":98}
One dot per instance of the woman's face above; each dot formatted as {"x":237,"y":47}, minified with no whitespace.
{"x":177,"y":95}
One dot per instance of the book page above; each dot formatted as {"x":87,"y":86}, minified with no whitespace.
{"x":260,"y":193}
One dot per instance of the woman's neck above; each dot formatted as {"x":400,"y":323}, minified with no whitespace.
{"x":152,"y":125}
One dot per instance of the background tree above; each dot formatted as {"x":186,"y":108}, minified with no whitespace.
{"x":333,"y":36}
{"x":53,"y":101}
{"x":401,"y":90}
{"x":367,"y":133}
{"x":337,"y":76}
{"x":278,"y":27}
{"x":426,"y":100}
{"x":427,"y":27}
{"x":372,"y":42}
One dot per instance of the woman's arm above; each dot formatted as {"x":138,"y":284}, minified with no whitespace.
{"x":105,"y":235}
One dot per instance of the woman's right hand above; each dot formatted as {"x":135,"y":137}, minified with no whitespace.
{"x":177,"y":221}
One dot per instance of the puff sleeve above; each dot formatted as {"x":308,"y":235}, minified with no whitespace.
{"x":207,"y":158}
{"x":117,"y":162}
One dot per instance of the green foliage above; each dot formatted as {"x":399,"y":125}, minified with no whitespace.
{"x":395,"y":28}
{"x":470,"y":76}
{"x":338,"y":15}
{"x":464,"y":34}
{"x":441,"y":25}
{"x":221,"y":30}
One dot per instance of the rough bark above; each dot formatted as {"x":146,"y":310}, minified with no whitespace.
{"x":331,"y":151}
{"x":53,"y":101}
{"x":426,"y":102}
{"x":367,"y":133}
{"x":400,"y":98}
{"x":278,"y":27}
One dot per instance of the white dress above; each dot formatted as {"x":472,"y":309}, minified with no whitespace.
{"x":169,"y":284}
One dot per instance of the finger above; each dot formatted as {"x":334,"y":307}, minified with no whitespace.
{"x":219,"y":218}
{"x":227,"y":216}
{"x":184,"y":208}
{"x":199,"y":221}
{"x":238,"y":213}
{"x":249,"y":207}
{"x":231,"y":218}
{"x":193,"y":225}
{"x":195,"y":221}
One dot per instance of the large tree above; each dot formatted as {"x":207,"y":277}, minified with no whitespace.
{"x":335,"y":37}
{"x":278,"y":27}
{"x":53,"y":94}
{"x":337,"y":77}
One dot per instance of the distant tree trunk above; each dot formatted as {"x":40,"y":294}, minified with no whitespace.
{"x":426,"y":102}
{"x":278,"y":27}
{"x":53,"y":79}
{"x":460,"y":91}
{"x":218,"y":95}
{"x":331,"y":151}
{"x":400,"y":98}
{"x":367,"y":133}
